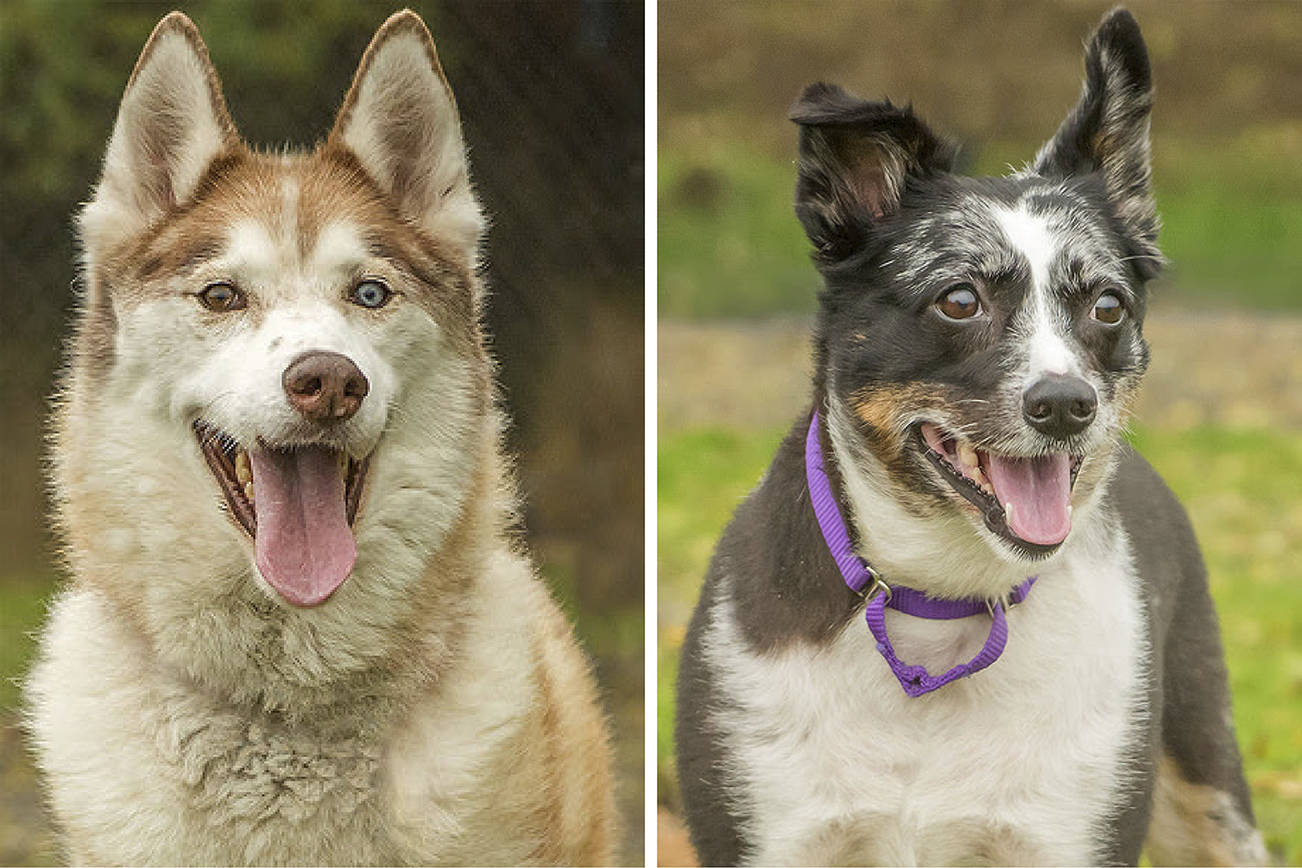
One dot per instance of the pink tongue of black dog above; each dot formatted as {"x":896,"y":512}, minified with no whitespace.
{"x":1035,"y":493}
{"x":305,"y":548}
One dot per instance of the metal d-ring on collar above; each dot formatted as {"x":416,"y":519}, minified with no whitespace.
{"x":878,"y":595}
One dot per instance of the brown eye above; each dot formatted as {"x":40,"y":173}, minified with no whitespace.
{"x":960,"y":301}
{"x":1108,"y":309}
{"x":222,"y":297}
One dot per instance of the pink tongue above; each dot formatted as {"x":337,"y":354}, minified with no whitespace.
{"x":305,"y":548}
{"x":1035,"y":493}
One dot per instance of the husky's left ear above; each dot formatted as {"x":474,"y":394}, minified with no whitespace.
{"x":400,"y":120}
{"x":1107,"y":132}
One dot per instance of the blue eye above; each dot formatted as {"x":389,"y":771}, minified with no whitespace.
{"x":370,"y":293}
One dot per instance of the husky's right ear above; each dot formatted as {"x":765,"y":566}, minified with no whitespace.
{"x":171,"y":124}
{"x":855,"y":160}
{"x":400,"y":121}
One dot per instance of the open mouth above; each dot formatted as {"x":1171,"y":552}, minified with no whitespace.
{"x":1024,"y":500}
{"x":297,"y":504}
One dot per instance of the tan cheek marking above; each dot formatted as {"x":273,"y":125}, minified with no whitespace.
{"x":1194,"y":824}
{"x":887,"y":410}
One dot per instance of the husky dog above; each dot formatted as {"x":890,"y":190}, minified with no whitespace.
{"x":1040,"y":680}
{"x":299,"y":630}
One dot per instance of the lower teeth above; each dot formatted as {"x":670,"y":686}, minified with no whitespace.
{"x":243,"y":472}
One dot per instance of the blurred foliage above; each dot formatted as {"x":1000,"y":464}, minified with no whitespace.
{"x":551,"y":97}
{"x":999,"y":77}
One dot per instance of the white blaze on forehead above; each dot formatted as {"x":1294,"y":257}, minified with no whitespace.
{"x":252,"y":248}
{"x":289,"y":210}
{"x":339,"y":247}
{"x":1031,"y":236}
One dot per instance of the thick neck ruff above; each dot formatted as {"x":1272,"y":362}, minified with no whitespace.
{"x":861,"y":579}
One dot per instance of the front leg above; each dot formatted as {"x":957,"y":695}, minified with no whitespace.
{"x":1202,"y":811}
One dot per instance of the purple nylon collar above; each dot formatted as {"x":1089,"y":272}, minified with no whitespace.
{"x":861,"y":579}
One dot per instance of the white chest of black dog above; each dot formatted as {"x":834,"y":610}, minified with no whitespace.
{"x":837,"y":766}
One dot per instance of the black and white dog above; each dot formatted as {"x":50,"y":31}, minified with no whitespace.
{"x":1040,"y":680}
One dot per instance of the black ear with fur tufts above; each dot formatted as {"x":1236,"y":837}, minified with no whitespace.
{"x":170,"y":127}
{"x":1107,"y":132}
{"x":855,"y":160}
{"x":401,"y":122}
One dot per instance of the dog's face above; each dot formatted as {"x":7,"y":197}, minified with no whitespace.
{"x":980,"y":339}
{"x":286,"y":347}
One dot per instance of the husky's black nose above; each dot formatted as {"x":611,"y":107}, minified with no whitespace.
{"x":1059,"y":405}
{"x":325,"y":387}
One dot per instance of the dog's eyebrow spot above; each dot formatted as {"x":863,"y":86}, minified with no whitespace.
{"x":412,"y":263}
{"x":251,"y":245}
{"x":190,"y":252}
{"x":1007,"y":272}
{"x":175,"y":251}
{"x":340,"y":246}
{"x":202,"y":251}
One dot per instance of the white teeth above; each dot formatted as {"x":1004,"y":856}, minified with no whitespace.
{"x":243,"y":472}
{"x":967,"y":455}
{"x":1069,"y":509}
{"x":1008,"y":512}
{"x":248,"y":491}
{"x":978,"y":477}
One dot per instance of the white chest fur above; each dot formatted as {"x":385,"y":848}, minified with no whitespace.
{"x":143,"y":770}
{"x":1018,"y":764}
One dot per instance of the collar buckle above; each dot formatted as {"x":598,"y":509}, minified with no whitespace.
{"x":875,"y":587}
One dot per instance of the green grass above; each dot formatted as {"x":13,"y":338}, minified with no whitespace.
{"x":730,"y":244}
{"x":701,"y":477}
{"x":22,"y":609}
{"x":1240,"y":488}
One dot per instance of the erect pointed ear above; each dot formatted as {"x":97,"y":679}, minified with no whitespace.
{"x":401,"y":122}
{"x":1107,"y":131}
{"x":855,"y":160}
{"x":171,"y":124}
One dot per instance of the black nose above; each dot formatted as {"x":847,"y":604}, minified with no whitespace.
{"x":1059,"y":405}
{"x":325,"y":387}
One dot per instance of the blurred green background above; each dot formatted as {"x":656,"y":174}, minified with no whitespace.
{"x":1221,"y":411}
{"x":551,"y":93}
